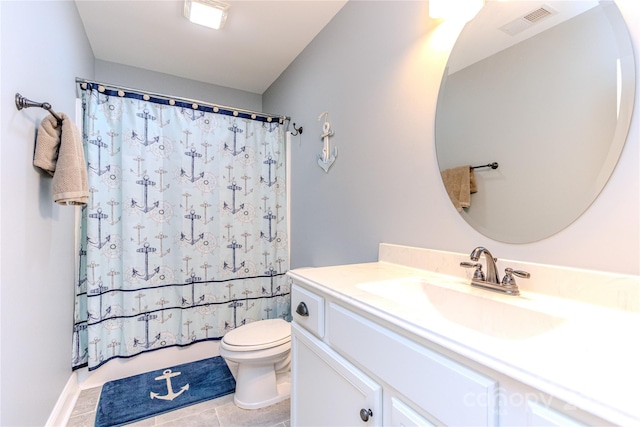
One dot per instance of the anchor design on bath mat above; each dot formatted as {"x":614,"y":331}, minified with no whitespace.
{"x":167,"y":375}
{"x":327,"y":158}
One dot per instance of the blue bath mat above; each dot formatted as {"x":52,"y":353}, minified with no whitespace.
{"x":146,"y":395}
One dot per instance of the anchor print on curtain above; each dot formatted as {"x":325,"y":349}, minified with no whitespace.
{"x":184,"y":236}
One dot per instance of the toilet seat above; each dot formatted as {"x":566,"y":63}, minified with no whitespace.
{"x":259,"y":335}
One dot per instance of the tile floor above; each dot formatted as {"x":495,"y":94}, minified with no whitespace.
{"x":220,"y":412}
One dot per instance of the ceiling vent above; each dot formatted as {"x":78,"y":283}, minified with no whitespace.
{"x":528,"y":20}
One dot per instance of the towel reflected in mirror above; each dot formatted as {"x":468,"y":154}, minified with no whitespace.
{"x":460,"y":183}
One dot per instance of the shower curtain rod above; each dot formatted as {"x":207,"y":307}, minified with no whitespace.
{"x":80,"y":81}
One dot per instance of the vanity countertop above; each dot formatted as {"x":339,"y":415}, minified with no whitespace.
{"x":585,"y":354}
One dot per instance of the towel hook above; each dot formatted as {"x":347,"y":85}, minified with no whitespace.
{"x":22,"y":102}
{"x":297,"y":129}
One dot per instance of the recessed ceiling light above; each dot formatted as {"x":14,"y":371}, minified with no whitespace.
{"x":210,"y":13}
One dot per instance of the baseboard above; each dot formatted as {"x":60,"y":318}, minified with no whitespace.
{"x":64,"y":406}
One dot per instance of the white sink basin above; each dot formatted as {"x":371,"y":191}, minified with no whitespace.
{"x":500,"y":316}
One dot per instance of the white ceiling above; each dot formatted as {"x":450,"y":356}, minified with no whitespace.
{"x":260,"y":38}
{"x":497,"y":14}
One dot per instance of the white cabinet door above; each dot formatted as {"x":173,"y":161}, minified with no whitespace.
{"x":403,"y":416}
{"x":328,"y":390}
{"x":447,"y":390}
{"x":543,"y":416}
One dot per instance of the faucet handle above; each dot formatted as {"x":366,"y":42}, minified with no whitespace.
{"x":478,"y":274}
{"x":508,"y":278}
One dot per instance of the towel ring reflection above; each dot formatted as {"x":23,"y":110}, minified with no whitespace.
{"x":493,"y":165}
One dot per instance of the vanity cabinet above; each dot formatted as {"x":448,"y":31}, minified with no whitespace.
{"x":351,"y":371}
{"x":328,"y":390}
{"x":347,"y":363}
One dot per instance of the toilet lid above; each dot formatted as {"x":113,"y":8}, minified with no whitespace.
{"x":259,"y":335}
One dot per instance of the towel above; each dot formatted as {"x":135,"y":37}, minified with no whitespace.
{"x":59,"y":153}
{"x":460,"y":183}
{"x":47,"y":145}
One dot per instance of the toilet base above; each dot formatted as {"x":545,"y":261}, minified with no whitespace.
{"x":262,"y":387}
{"x":284,"y":392}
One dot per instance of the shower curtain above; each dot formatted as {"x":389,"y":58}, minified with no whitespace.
{"x":184,"y":236}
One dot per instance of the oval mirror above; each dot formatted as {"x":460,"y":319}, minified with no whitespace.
{"x":546,"y":91}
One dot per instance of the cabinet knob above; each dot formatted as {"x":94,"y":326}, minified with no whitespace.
{"x":365,"y":414}
{"x":302,"y":309}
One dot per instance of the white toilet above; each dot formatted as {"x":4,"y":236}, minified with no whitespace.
{"x":262,"y":350}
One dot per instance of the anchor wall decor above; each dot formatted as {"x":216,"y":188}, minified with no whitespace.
{"x":327,"y":158}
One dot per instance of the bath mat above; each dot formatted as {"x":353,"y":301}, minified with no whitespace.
{"x":146,"y":395}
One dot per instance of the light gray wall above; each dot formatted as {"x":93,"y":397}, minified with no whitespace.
{"x":376,"y":69}
{"x":44,"y":48}
{"x":139,"y":78}
{"x":37,"y":242}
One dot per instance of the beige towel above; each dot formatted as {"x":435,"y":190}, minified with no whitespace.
{"x":59,"y":152}
{"x":460,"y":182}
{"x":47,"y":145}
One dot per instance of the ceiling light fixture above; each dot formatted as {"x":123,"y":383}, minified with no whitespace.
{"x":210,"y":13}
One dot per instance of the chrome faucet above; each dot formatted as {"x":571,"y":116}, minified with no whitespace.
{"x":492,"y":270}
{"x":492,"y":279}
